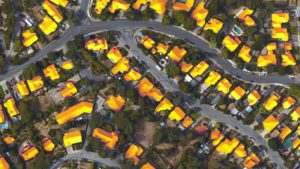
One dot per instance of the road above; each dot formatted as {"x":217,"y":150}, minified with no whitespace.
{"x":91,"y":156}
{"x":205,"y":110}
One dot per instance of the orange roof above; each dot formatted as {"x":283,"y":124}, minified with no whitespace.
{"x":177,"y":114}
{"x":251,"y":161}
{"x":177,"y":53}
{"x":237,"y":93}
{"x":279,"y":18}
{"x":272,"y":102}
{"x":246,"y":12}
{"x":100,"y":5}
{"x":201,"y":129}
{"x":227,"y":146}
{"x":114,"y":54}
{"x":187,"y":121}
{"x":69,"y":90}
{"x":296,"y":114}
{"x":9,"y":140}
{"x":212,"y":78}
{"x":29,"y":152}
{"x":118,"y":4}
{"x":216,"y":136}
{"x":153,"y":50}
{"x":200,"y":13}
{"x":199,"y":69}
{"x":253,"y":97}
{"x":48,"y":25}
{"x":147,"y":42}
{"x":285,"y":132}
{"x":109,"y":138}
{"x":214,"y":24}
{"x":280,"y":33}
{"x":62,"y":3}
{"x":133,"y":152}
{"x":156,"y":94}
{"x":265,"y":60}
{"x":48,"y":144}
{"x":288,"y":59}
{"x":11,"y":107}
{"x":271,"y":46}
{"x":115,"y":103}
{"x":51,"y":72}
{"x":71,"y":138}
{"x":22,"y":88}
{"x":288,"y":102}
{"x":249,"y":21}
{"x":286,"y":45}
{"x":296,"y":143}
{"x":35,"y":83}
{"x":147,"y":166}
{"x":29,"y":38}
{"x":67,"y":65}
{"x":2,"y":118}
{"x":185,"y":67}
{"x":159,"y":6}
{"x":224,"y":86}
{"x":132,"y":75}
{"x":162,"y":48}
{"x":3,"y":163}
{"x":240,"y":151}
{"x":98,"y":44}
{"x":52,"y":11}
{"x":270,"y":123}
{"x":74,"y":111}
{"x":244,"y":54}
{"x":231,"y":43}
{"x":165,"y":104}
{"x":122,"y":66}
{"x":181,"y":6}
{"x":144,"y":87}
{"x":138,"y":4}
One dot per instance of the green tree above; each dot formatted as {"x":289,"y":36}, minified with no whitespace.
{"x":148,"y":13}
{"x":274,"y":143}
{"x":189,"y":24}
{"x":18,"y":46}
{"x":166,"y":20}
{"x":26,"y":114}
{"x":214,"y":163}
{"x":172,"y":69}
{"x":2,"y":93}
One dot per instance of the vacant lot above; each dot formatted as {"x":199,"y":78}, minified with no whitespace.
{"x":145,"y":133}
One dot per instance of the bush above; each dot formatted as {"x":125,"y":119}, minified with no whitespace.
{"x":172,"y":69}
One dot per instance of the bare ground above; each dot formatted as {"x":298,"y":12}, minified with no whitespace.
{"x":145,"y":132}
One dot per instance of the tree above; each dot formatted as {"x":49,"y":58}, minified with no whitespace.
{"x":189,"y":24}
{"x":31,"y":71}
{"x":214,"y":163}
{"x":132,"y":14}
{"x":180,"y":16}
{"x":166,"y":20}
{"x":148,"y":13}
{"x":18,"y":46}
{"x":172,"y":69}
{"x":25,"y":112}
{"x":2,"y":93}
{"x":274,"y":143}
{"x":184,"y":86}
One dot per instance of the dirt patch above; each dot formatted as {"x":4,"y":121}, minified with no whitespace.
{"x":36,"y":13}
{"x":145,"y":132}
{"x":42,"y":104}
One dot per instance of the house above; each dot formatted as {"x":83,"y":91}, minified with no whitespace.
{"x":284,"y":133}
{"x":251,"y":161}
{"x":244,"y":54}
{"x":122,"y":66}
{"x":29,"y":152}
{"x":147,"y":42}
{"x":214,"y":24}
{"x":240,"y":151}
{"x":279,"y":18}
{"x":177,"y":114}
{"x":237,"y":93}
{"x":11,"y":107}
{"x":74,"y":111}
{"x":118,"y":4}
{"x":183,"y":6}
{"x":3,"y":163}
{"x":9,"y":140}
{"x":296,"y":143}
{"x":224,"y":86}
{"x":48,"y":25}
{"x":201,"y":129}
{"x":138,"y":3}
{"x":270,"y":123}
{"x":216,"y":136}
{"x":296,"y":114}
{"x":288,"y":59}
{"x":288,"y":102}
{"x":177,"y":53}
{"x":67,"y":65}
{"x":144,"y":87}
{"x":155,"y":94}
{"x":227,"y":146}
{"x":29,"y":38}
{"x":253,"y":97}
{"x":147,"y":166}
{"x":35,"y":83}
{"x":100,"y":5}
{"x":62,"y":3}
{"x":185,"y":67}
{"x":231,"y":43}
{"x":133,"y":152}
{"x":69,"y":90}
{"x":280,"y":33}
{"x":165,"y":104}
{"x":162,"y":48}
{"x":48,"y":145}
{"x":71,"y":138}
{"x":200,"y":13}
{"x":199,"y":69}
{"x":114,"y":54}
{"x":109,"y":138}
{"x":246,"y":18}
{"x":269,"y":58}
{"x":159,"y":6}
{"x":98,"y":44}
{"x":272,"y":102}
{"x":133,"y":75}
{"x":115,"y":103}
{"x":22,"y":88}
{"x":51,"y":72}
{"x":187,"y":122}
{"x":212,"y":78}
{"x":52,"y":11}
{"x":2,"y":117}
